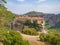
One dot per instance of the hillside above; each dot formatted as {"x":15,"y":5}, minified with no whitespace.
{"x":5,"y":16}
{"x":34,"y":13}
{"x":8,"y":36}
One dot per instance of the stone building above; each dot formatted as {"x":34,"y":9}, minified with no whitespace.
{"x":40,"y":21}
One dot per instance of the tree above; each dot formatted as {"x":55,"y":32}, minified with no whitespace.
{"x":3,"y":1}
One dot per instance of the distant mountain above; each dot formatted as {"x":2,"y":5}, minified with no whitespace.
{"x":55,"y":19}
{"x":52,"y":19}
{"x":34,"y":13}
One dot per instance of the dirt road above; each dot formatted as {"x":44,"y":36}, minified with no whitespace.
{"x":34,"y":40}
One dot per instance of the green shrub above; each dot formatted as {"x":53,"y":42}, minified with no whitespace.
{"x":42,"y":37}
{"x":29,"y":31}
{"x":51,"y":38}
{"x":10,"y":37}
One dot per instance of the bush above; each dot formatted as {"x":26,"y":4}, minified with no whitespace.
{"x":29,"y":31}
{"x":10,"y":37}
{"x":51,"y":38}
{"x":42,"y":37}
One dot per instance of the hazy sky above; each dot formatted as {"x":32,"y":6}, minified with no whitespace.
{"x":23,"y":6}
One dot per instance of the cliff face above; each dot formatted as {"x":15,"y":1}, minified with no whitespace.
{"x":55,"y":19}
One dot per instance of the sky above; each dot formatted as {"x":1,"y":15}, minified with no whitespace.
{"x":24,"y":6}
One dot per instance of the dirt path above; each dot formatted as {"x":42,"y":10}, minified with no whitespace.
{"x":34,"y":40}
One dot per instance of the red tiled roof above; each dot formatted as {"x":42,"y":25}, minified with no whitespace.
{"x":30,"y":18}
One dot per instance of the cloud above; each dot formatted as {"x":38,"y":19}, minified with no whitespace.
{"x":36,"y":0}
{"x":48,"y":8}
{"x":19,"y":8}
{"x":41,"y":0}
{"x":21,"y":0}
{"x":23,"y":8}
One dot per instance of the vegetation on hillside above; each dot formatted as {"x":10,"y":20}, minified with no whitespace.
{"x":8,"y":36}
{"x":53,"y":38}
{"x":5,"y":15}
{"x":29,"y":31}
